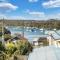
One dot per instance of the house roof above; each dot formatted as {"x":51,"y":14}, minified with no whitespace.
{"x":56,"y":36}
{"x":41,"y":36}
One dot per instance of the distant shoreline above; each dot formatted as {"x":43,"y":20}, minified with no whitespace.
{"x":51,"y":24}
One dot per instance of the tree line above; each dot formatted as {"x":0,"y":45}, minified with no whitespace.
{"x":48,"y":24}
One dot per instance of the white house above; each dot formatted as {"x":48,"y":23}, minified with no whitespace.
{"x":35,"y":42}
{"x":40,"y":40}
{"x":51,"y":39}
{"x":54,"y":39}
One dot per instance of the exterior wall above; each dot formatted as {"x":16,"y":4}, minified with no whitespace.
{"x":58,"y":43}
{"x":35,"y":43}
{"x":50,"y":40}
{"x":40,"y":43}
{"x":55,"y":43}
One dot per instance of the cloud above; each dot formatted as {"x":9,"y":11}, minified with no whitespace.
{"x":16,"y":17}
{"x":52,"y":4}
{"x":34,"y":13}
{"x":54,"y":16}
{"x":33,"y":0}
{"x":30,"y":17}
{"x":8,"y":6}
{"x":3,"y":0}
{"x":35,"y":17}
{"x":2,"y":16}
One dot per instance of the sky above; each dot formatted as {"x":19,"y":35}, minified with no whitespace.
{"x":30,"y":9}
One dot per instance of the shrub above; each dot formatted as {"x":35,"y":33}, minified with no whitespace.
{"x":24,"y":47}
{"x":10,"y":48}
{"x":7,"y":33}
{"x":2,"y":56}
{"x":7,"y":37}
{"x":2,"y":48}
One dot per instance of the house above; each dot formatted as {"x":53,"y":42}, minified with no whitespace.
{"x":41,"y":41}
{"x":54,"y":39}
{"x":35,"y":42}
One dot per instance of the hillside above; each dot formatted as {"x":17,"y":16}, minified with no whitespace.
{"x":32,"y":23}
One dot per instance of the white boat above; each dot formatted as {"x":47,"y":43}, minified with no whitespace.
{"x":54,"y":29}
{"x":41,"y":29}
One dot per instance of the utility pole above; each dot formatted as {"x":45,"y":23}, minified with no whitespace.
{"x":3,"y":31}
{"x":23,"y":29}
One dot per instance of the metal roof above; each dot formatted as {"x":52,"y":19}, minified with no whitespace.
{"x":56,"y":36}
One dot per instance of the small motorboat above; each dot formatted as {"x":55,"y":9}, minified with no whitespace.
{"x":33,"y":30}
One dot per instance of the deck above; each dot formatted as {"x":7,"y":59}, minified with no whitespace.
{"x":45,"y":53}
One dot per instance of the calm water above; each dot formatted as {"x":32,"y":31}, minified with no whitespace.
{"x":29,"y":33}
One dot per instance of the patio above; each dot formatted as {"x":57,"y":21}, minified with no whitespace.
{"x":45,"y":53}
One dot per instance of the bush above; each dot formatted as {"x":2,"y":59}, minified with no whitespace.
{"x":2,"y":56}
{"x":7,"y":37}
{"x":10,"y":48}
{"x":7,"y":33}
{"x":2,"y":48}
{"x":24,"y":47}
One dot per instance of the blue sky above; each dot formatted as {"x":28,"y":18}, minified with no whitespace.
{"x":30,"y":9}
